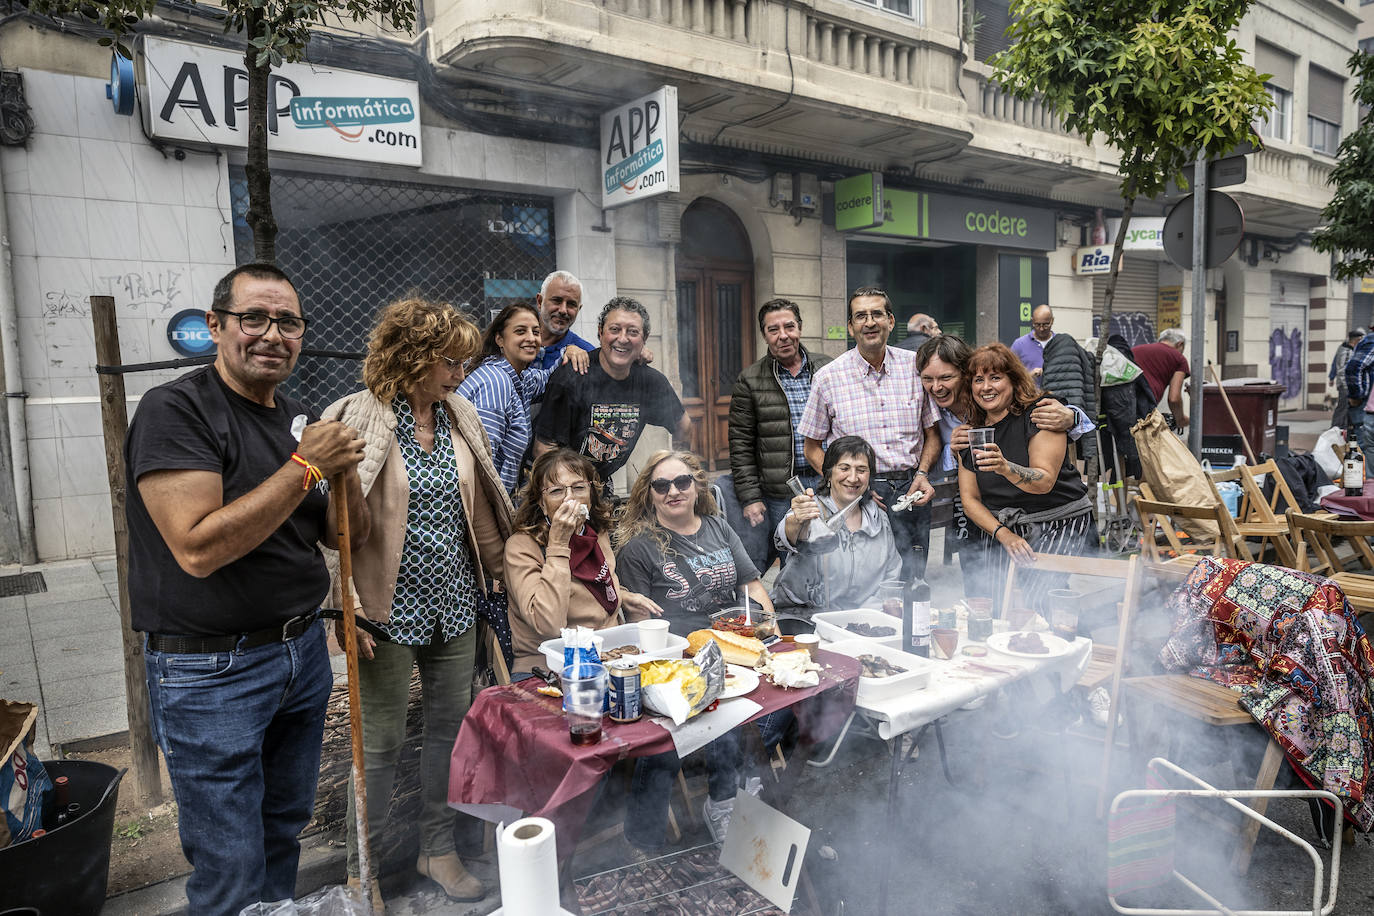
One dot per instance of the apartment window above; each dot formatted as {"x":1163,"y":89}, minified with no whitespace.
{"x":909,"y":8}
{"x":1367,"y":44}
{"x":1279,"y":84}
{"x":1275,"y":124}
{"x":1325,"y":99}
{"x":993,"y":17}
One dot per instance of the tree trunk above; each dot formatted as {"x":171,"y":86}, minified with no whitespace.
{"x":260,"y":219}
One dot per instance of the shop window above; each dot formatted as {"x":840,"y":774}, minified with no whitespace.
{"x":351,"y":245}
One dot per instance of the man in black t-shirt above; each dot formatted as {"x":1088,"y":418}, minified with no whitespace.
{"x":601,"y":414}
{"x":228,"y":498}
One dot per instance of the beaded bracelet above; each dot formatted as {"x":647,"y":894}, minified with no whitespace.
{"x":312,"y":473}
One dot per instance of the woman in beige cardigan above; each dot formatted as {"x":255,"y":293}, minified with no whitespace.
{"x":440,"y":519}
{"x":560,"y":570}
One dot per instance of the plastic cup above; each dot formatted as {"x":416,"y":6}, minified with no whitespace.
{"x":653,"y":635}
{"x":980,"y":437}
{"x":810,"y":642}
{"x":946,"y":639}
{"x":584,"y":698}
{"x":1020,"y":617}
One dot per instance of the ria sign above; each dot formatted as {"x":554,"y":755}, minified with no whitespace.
{"x":188,"y":333}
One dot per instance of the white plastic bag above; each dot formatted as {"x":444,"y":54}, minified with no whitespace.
{"x":1325,"y":453}
{"x":335,"y":900}
{"x":1116,"y":369}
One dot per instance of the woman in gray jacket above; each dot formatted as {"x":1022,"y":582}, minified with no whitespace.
{"x":839,"y":564}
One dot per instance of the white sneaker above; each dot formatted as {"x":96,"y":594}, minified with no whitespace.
{"x":717,"y":816}
{"x":753,"y":785}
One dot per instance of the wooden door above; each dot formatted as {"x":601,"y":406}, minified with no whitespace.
{"x":715,"y":341}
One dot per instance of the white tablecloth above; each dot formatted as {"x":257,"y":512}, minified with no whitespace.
{"x":958,"y":681}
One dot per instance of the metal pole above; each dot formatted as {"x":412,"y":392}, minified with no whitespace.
{"x":1199,"y":324}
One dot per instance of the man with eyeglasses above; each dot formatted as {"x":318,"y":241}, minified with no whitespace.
{"x":1030,"y":348}
{"x":602,"y":414}
{"x":874,"y":391}
{"x":228,"y":501}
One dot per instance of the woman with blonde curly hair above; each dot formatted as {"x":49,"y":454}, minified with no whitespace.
{"x":440,"y":520}
{"x":559,"y":566}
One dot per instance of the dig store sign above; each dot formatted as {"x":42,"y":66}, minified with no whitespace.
{"x":639,"y":157}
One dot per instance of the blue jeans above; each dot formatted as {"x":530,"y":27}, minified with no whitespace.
{"x":757,"y":539}
{"x":1363,"y":423}
{"x":910,"y":528}
{"x":241,"y":733}
{"x":651,"y":789}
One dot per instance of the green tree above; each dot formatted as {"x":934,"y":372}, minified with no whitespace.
{"x":273,"y":31}
{"x":1348,"y":232}
{"x":1157,"y":79}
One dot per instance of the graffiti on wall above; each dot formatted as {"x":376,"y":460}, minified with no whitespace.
{"x":1137,"y":327}
{"x":1285,"y":360}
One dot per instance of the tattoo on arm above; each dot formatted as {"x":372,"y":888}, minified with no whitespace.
{"x":1025,"y":474}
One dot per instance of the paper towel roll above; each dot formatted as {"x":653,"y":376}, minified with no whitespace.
{"x":527,"y":859}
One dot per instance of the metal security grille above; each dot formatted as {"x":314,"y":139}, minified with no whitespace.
{"x":353,"y":244}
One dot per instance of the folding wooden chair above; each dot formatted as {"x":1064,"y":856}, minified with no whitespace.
{"x":1313,"y":537}
{"x":1155,"y":514}
{"x":1202,"y":701}
{"x":1259,"y":516}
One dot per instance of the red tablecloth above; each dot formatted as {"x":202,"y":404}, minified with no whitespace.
{"x":513,"y":748}
{"x":1361,"y":507}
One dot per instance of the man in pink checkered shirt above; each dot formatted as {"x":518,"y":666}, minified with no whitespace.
{"x":875,"y":391}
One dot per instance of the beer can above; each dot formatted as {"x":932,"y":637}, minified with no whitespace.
{"x":624,"y":691}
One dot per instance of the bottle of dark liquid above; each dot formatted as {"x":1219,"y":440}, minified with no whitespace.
{"x":916,"y":610}
{"x":1352,"y":473}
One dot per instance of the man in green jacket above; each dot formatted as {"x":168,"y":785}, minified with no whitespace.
{"x":765,"y":449}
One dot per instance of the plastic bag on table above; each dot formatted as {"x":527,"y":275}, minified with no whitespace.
{"x":681,"y":688}
{"x":335,"y":900}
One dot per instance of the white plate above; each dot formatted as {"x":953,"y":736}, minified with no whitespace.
{"x":1055,"y":644}
{"x":746,"y":679}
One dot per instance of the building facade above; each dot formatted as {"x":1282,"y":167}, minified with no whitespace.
{"x":988,"y":202}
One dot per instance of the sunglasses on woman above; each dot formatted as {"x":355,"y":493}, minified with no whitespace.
{"x":662,"y":485}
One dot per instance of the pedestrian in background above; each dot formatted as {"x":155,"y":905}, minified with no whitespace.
{"x":1340,"y":417}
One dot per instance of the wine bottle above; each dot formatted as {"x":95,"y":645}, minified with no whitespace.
{"x":1352,"y":473}
{"x":916,"y":610}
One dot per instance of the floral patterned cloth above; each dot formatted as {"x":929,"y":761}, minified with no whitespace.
{"x":1291,"y":645}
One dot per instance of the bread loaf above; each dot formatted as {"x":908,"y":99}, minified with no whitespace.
{"x":734,"y":648}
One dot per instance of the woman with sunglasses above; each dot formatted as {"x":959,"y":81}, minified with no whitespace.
{"x":848,"y":561}
{"x":504,"y":385}
{"x":676,"y":549}
{"x":440,"y":519}
{"x":559,"y":566}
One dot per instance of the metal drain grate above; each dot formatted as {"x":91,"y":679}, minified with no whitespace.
{"x":30,"y":583}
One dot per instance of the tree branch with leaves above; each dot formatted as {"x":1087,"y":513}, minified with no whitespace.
{"x":273,"y":31}
{"x":1158,"y":80}
{"x":1348,"y":232}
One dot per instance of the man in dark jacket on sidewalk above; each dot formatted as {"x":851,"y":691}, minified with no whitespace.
{"x":765,"y":449}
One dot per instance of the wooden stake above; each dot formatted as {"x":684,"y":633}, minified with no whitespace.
{"x":1245,"y":440}
{"x":338,"y":491}
{"x":114,"y":415}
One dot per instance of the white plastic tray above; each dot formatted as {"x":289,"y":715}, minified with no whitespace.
{"x":918,"y":669}
{"x":830,"y":626}
{"x":610,"y":638}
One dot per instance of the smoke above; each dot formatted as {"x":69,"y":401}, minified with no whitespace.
{"x":1017,"y":832}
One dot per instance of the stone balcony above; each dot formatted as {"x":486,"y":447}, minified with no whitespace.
{"x":830,"y":79}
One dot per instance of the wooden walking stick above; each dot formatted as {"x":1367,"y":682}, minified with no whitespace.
{"x":1245,"y":440}
{"x":338,"y":490}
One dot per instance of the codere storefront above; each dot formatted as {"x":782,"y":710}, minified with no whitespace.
{"x":938,"y":253}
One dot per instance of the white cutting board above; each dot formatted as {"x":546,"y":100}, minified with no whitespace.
{"x":765,"y":849}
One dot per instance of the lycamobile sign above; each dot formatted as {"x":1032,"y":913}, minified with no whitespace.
{"x":950,"y":218}
{"x":639,"y":156}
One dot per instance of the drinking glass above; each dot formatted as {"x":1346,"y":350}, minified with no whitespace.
{"x":584,"y":698}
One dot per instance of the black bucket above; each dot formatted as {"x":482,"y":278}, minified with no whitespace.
{"x":68,"y":869}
